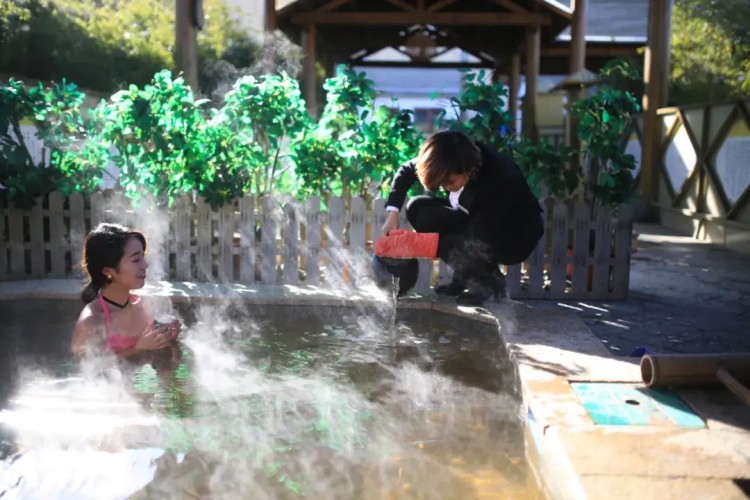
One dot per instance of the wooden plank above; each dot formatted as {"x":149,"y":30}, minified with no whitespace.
{"x":58,"y":243}
{"x":3,"y":244}
{"x":440,"y":5}
{"x":401,"y":4}
{"x":332,"y":5}
{"x":424,"y":278}
{"x":312,"y":241}
{"x":536,"y":270}
{"x":269,"y":231}
{"x":510,"y":5}
{"x":120,"y":210}
{"x":291,"y":244}
{"x":226,"y":242}
{"x":183,"y":215}
{"x":423,"y":17}
{"x":97,"y":209}
{"x":559,"y":259}
{"x":357,"y":251}
{"x":203,"y":236}
{"x":581,"y":250}
{"x":445,"y":273}
{"x":77,"y":227}
{"x":602,"y":251}
{"x":513,"y":280}
{"x":247,"y":239}
{"x":379,"y":213}
{"x":535,"y":262}
{"x":336,"y":268}
{"x":623,"y":242}
{"x":357,"y":225}
{"x":36,"y":240}
{"x":16,"y":243}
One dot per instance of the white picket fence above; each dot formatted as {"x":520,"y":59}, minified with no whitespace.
{"x":290,"y":242}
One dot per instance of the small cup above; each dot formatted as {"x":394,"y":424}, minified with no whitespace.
{"x":163,"y":319}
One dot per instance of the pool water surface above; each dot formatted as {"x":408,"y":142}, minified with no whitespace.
{"x":270,"y":403}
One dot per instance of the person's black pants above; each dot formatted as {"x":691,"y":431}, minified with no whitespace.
{"x":472,"y":250}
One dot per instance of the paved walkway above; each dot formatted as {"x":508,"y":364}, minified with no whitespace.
{"x":685,"y":296}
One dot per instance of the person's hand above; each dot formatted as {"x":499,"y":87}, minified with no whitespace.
{"x":155,"y":338}
{"x":175,"y":328}
{"x":391,"y":222}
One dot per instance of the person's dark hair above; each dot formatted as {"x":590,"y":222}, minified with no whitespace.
{"x":444,"y":154}
{"x":104,"y":247}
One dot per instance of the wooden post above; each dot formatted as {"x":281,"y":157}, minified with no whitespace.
{"x":577,"y":63}
{"x":308,"y":70}
{"x":578,"y":36}
{"x":186,"y":51}
{"x":270,"y":16}
{"x":533,"y":54}
{"x":513,"y":85}
{"x":269,"y":42}
{"x":656,"y":77}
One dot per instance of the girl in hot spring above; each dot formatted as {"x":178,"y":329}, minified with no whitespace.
{"x":114,"y":260}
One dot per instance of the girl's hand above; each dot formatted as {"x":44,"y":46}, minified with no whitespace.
{"x":391,"y":222}
{"x":155,"y":338}
{"x":175,"y":328}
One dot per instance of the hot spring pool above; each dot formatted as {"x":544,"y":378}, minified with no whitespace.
{"x":273,"y":402}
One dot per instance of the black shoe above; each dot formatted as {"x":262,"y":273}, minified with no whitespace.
{"x":478,"y":293}
{"x":452,"y":288}
{"x":475,"y":296}
{"x":498,"y":284}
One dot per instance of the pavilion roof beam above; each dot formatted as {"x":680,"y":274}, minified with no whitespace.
{"x":419,"y":17}
{"x":557,"y":7}
{"x":401,"y":4}
{"x":440,"y":5}
{"x":607,"y":51}
{"x":486,"y":57}
{"x":477,"y":50}
{"x":422,"y":64}
{"x":510,"y":5}
{"x":407,"y":54}
{"x":332,"y":5}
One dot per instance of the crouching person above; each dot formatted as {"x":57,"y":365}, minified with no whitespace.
{"x":490,"y":216}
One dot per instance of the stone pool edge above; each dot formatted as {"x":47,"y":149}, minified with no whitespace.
{"x":550,"y":347}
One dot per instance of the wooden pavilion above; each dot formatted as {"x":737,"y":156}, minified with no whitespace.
{"x":509,"y":36}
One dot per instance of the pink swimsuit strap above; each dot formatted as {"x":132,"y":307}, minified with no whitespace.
{"x":115,"y":341}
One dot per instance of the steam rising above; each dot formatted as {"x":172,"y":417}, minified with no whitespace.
{"x":338,"y":408}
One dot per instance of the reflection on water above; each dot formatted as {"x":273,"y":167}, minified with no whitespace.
{"x":288,"y":408}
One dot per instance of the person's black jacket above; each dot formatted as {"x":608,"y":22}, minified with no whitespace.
{"x":497,"y":200}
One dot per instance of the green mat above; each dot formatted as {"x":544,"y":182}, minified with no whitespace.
{"x":630,"y":404}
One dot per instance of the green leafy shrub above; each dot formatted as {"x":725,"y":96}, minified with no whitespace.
{"x":546,"y":168}
{"x":167,"y":143}
{"x":605,"y":120}
{"x":56,"y":115}
{"x":479,"y":112}
{"x":263,"y":115}
{"x":352,"y":149}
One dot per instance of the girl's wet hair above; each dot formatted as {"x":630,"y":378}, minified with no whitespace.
{"x":446,"y":153}
{"x":104,"y":247}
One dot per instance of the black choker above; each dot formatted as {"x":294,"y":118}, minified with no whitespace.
{"x":121,"y":306}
